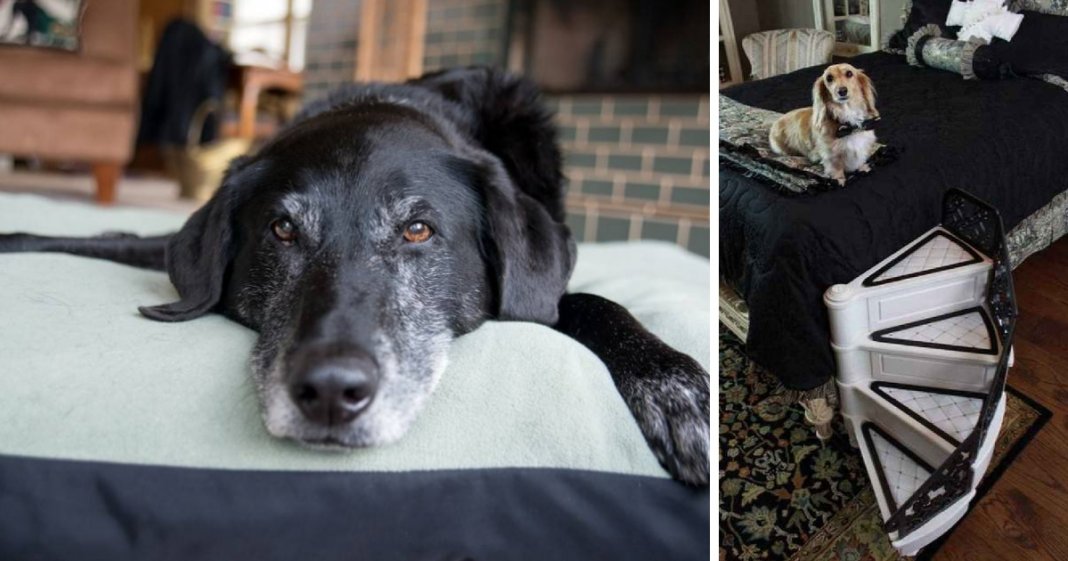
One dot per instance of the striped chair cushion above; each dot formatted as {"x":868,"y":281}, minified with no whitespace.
{"x":784,"y":50}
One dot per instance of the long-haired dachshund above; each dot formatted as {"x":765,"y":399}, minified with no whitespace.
{"x":834,"y":130}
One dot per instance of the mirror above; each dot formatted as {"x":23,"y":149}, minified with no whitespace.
{"x":855,"y":24}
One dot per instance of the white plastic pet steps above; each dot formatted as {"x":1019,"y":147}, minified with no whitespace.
{"x":923,"y":345}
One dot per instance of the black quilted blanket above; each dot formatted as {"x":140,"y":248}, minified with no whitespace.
{"x":1004,"y":141}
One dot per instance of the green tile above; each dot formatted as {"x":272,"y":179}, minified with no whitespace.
{"x":666,"y":231}
{"x":597,"y":187}
{"x":612,"y":229}
{"x":585,"y":106}
{"x":581,"y":159}
{"x":649,"y":135}
{"x":680,"y":108}
{"x":566,"y":133}
{"x":646,"y":191}
{"x":672,"y":164}
{"x":577,"y":223}
{"x":624,"y":162}
{"x":699,"y":240}
{"x":551,"y":103}
{"x":484,"y":58}
{"x":603,"y":134}
{"x":704,"y":169}
{"x":434,"y":15}
{"x":630,"y":107}
{"x":485,"y":10}
{"x":690,"y":196}
{"x":694,"y":137}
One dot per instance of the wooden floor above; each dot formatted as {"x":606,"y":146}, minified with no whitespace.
{"x":1025,"y":515}
{"x":133,"y":190}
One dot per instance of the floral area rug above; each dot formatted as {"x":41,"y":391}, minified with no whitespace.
{"x":784,"y":495}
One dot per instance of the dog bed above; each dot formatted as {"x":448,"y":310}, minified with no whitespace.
{"x":744,"y":146}
{"x":123,"y":438}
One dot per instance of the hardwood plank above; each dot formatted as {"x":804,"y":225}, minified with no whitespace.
{"x":1024,"y":516}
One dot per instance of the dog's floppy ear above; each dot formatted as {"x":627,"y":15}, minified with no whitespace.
{"x":199,"y":254}
{"x":530,"y":255}
{"x":869,"y":93}
{"x":820,"y":99}
{"x":518,"y":174}
{"x":507,"y":118}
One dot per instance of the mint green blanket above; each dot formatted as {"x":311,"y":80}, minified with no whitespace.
{"x":84,"y":376}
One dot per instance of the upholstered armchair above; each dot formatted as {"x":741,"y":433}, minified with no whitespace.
{"x":79,"y":106}
{"x":780,"y":51}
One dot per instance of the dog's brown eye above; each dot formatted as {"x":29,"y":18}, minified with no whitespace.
{"x":829,"y":79}
{"x":849,"y":73}
{"x":417,"y":232}
{"x":284,"y":230}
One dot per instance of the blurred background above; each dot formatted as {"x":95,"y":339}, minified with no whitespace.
{"x":142,"y":102}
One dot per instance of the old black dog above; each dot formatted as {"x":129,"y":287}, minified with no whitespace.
{"x":385,"y":221}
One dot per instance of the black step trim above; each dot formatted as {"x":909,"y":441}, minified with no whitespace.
{"x":877,"y":387}
{"x":882,"y":336}
{"x":976,"y":258}
{"x":867,"y":427}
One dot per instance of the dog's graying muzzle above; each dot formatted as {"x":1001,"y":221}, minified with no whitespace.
{"x":332,"y":373}
{"x":331,"y":384}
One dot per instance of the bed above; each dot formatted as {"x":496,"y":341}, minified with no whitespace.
{"x":1000,"y":140}
{"x":122,"y":438}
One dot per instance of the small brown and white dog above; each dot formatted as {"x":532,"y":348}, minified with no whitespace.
{"x":832,"y":131}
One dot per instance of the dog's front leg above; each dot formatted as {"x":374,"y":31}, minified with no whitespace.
{"x":834,"y":166}
{"x":666,"y":391}
{"x":145,"y":252}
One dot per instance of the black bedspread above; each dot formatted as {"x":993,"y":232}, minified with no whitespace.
{"x":1004,"y":141}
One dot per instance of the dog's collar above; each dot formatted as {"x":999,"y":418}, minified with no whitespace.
{"x":845,"y":130}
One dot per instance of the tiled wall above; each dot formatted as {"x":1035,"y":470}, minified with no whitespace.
{"x":458,"y":33}
{"x":464,"y":32}
{"x":638,"y":165}
{"x":330,"y":58}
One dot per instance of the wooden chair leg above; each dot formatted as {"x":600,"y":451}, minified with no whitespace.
{"x":106,"y":175}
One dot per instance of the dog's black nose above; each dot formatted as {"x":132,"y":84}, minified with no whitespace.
{"x":842,"y":92}
{"x":335,"y":390}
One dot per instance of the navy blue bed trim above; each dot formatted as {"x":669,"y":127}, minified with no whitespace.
{"x":54,"y":509}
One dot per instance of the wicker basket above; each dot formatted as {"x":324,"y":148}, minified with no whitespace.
{"x":200,"y":168}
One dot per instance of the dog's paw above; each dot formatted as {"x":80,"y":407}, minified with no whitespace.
{"x":671,"y":406}
{"x":864,"y":169}
{"x":840,"y":178}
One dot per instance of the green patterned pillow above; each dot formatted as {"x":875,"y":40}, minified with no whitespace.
{"x":41,"y":23}
{"x":1055,"y":7}
{"x":927,"y":47}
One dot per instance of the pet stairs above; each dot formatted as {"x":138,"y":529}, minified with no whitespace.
{"x":923,"y":343}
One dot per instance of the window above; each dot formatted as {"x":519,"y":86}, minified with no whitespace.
{"x":265,"y":32}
